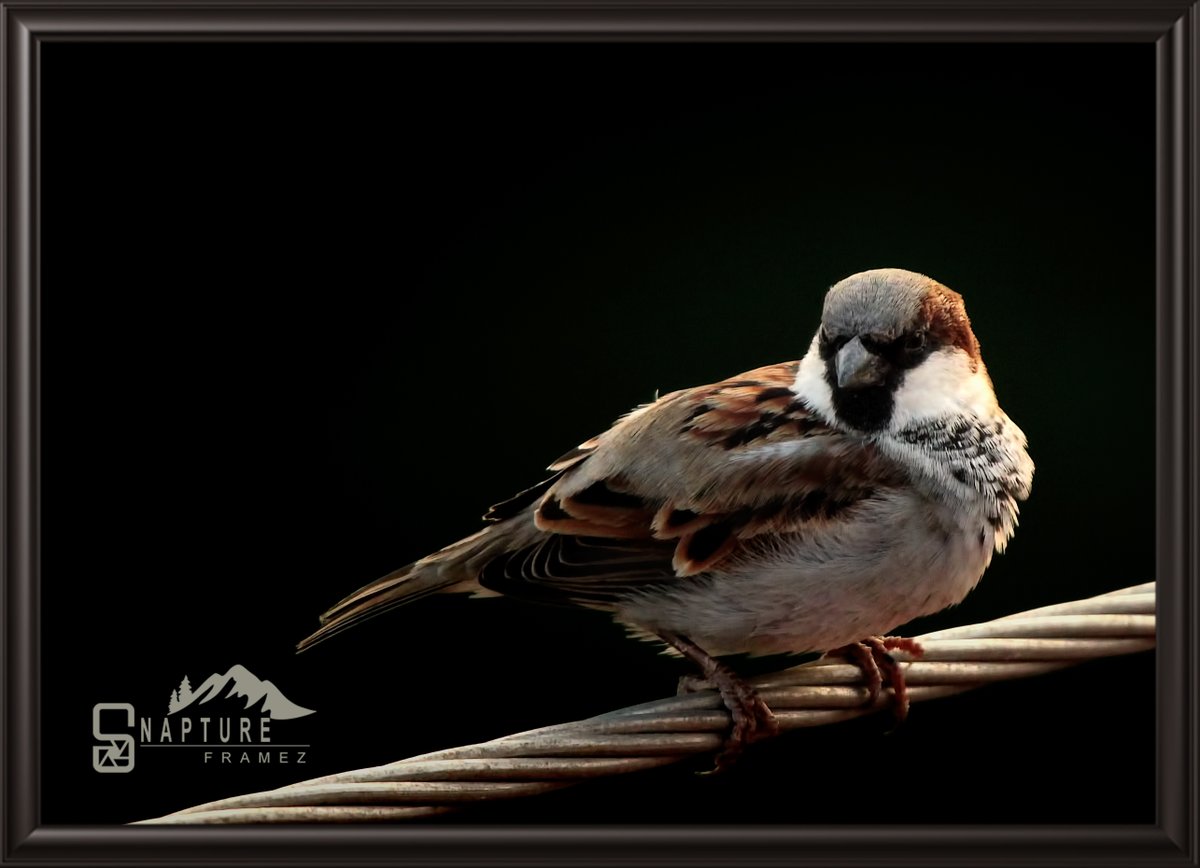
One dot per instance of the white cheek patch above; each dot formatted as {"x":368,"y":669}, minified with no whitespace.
{"x":940,"y":386}
{"x":811,"y":386}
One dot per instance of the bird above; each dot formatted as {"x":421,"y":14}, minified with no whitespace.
{"x":803,"y":506}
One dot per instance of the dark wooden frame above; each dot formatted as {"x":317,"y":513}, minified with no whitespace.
{"x":1170,"y":24}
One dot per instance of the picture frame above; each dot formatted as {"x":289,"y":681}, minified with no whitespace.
{"x":1170,"y":26}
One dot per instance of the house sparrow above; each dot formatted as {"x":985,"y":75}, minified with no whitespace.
{"x":803,"y":506}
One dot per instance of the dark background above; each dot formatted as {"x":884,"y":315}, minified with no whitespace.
{"x":308,"y":310}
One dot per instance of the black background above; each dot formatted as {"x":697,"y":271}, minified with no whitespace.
{"x":309,"y":309}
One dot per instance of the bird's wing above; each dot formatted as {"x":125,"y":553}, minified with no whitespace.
{"x":682,"y":485}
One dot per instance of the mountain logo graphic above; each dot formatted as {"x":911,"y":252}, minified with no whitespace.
{"x":238,"y":684}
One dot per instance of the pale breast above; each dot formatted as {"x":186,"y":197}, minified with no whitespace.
{"x":898,"y":557}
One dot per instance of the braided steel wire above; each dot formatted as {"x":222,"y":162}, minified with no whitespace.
{"x":669,"y":730}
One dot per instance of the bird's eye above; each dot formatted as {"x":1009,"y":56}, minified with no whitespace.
{"x":915,"y":342}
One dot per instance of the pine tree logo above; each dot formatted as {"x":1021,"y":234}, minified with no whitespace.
{"x":181,"y":696}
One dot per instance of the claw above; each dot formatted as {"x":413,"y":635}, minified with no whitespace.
{"x":752,"y":719}
{"x":878,"y":666}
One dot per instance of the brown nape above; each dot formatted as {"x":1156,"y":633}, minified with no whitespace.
{"x":946,"y":317}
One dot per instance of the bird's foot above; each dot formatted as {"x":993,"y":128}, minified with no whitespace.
{"x":880,"y":667}
{"x":752,"y":719}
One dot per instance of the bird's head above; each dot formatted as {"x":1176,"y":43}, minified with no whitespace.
{"x":894,"y":348}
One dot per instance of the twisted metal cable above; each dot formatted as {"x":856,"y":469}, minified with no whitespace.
{"x":669,"y":730}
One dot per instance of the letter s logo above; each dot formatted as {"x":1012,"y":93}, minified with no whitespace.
{"x":117,"y":754}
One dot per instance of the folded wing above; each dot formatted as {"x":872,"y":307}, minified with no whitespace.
{"x":681,"y":486}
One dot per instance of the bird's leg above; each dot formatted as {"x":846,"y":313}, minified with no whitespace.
{"x":752,"y":719}
{"x":878,"y":666}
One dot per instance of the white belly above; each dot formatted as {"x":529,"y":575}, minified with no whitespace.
{"x":833,"y":585}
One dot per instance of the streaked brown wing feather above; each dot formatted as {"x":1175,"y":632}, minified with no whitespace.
{"x":678,"y":486}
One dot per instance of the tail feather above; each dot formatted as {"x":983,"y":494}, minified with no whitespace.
{"x":454,"y":568}
{"x":373,"y":591}
{"x":394,"y":589}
